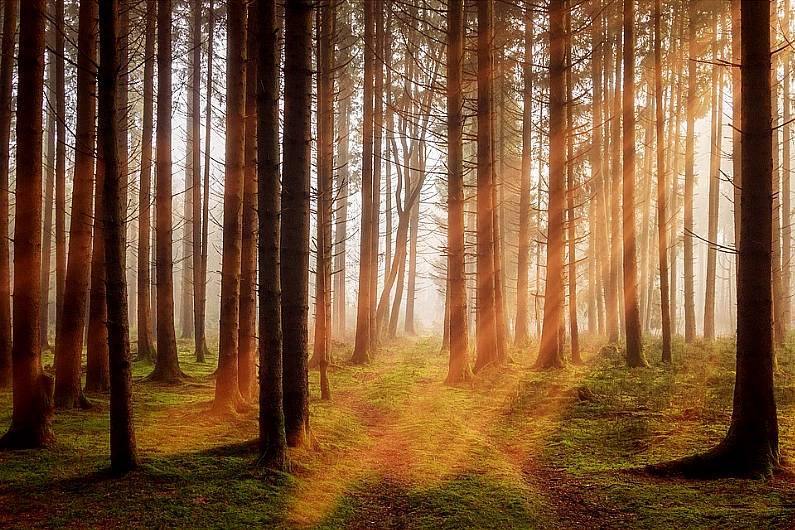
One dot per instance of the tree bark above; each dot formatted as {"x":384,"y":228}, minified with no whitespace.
{"x":199,"y":275}
{"x":634,"y":351}
{"x":122,"y":435}
{"x":69,"y":342}
{"x":31,"y":420}
{"x":167,"y":363}
{"x":10,"y":10}
{"x":692,"y":98}
{"x":571,"y":190}
{"x":295,"y":217}
{"x":227,"y":390}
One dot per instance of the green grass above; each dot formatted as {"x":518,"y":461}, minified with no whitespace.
{"x":396,"y":448}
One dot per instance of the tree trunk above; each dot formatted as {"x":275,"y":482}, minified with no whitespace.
{"x":361,"y":351}
{"x":714,"y":189}
{"x":60,"y":168}
{"x":227,"y":390}
{"x":49,"y":190}
{"x":662,"y":214}
{"x":779,"y":324}
{"x":378,"y":134}
{"x":69,"y":342}
{"x":615,"y":185}
{"x":737,"y":134}
{"x":10,"y":10}
{"x":272,"y":442}
{"x":247,"y":335}
{"x":122,"y":435}
{"x":146,"y":347}
{"x":634,"y":352}
{"x":167,"y":363}
{"x":692,"y":97}
{"x":295,"y":217}
{"x":571,"y":190}
{"x":786,"y":191}
{"x":31,"y":420}
{"x":458,"y":368}
{"x":550,"y":353}
{"x":521,"y":335}
{"x":191,"y":142}
{"x":97,"y":367}
{"x":414,"y":222}
{"x":486,"y":325}
{"x":199,"y":274}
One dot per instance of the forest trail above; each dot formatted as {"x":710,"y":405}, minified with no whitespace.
{"x":396,"y":448}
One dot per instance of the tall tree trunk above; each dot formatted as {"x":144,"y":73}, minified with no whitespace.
{"x":186,"y":276}
{"x":227,"y":390}
{"x":486,"y":325}
{"x":272,"y":442}
{"x":49,"y":190}
{"x":31,"y":420}
{"x":69,"y":342}
{"x":737,"y":134}
{"x":97,"y":367}
{"x":571,"y":190}
{"x":411,"y":280}
{"x":662,"y":190}
{"x":60,"y":167}
{"x":550,"y":353}
{"x":247,"y":335}
{"x":458,"y":368}
{"x":199,"y":276}
{"x":615,"y":184}
{"x":345,"y":87}
{"x":167,"y":363}
{"x":122,"y":435}
{"x":200,"y":298}
{"x":714,"y":189}
{"x":786,"y":174}
{"x":378,"y":134}
{"x":634,"y":352}
{"x":146,"y":347}
{"x":295,"y":217}
{"x":361,"y":351}
{"x":692,"y":97}
{"x":523,"y":259}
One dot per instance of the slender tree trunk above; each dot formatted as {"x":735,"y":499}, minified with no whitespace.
{"x":247,"y":334}
{"x":146,"y":348}
{"x":737,"y":160}
{"x":186,"y":276}
{"x":49,"y":190}
{"x":200,"y":298}
{"x":167,"y":363}
{"x":458,"y":368}
{"x":486,"y":325}
{"x":10,"y":10}
{"x":295,"y":217}
{"x":550,"y":353}
{"x":779,"y":324}
{"x":272,"y":442}
{"x":662,"y":190}
{"x":227,"y":390}
{"x":571,"y":190}
{"x":615,"y":184}
{"x":199,"y":276}
{"x":523,"y":259}
{"x":634,"y":352}
{"x":378,"y":134}
{"x":69,"y":342}
{"x":411,"y":287}
{"x":122,"y":435}
{"x":361,"y":351}
{"x":60,"y":167}
{"x":31,"y":420}
{"x":692,"y":80}
{"x":97,"y":367}
{"x":786,"y":191}
{"x":714,"y":190}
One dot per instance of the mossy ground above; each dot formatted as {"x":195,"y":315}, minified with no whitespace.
{"x":396,"y":448}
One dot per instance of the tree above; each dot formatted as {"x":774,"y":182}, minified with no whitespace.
{"x":49,"y":190}
{"x":166,"y":363}
{"x":662,"y":215}
{"x":750,"y":448}
{"x":550,"y":354}
{"x":60,"y":166}
{"x":295,"y":217}
{"x":227,"y":390}
{"x":634,"y":353}
{"x":146,"y":347}
{"x":571,"y":187}
{"x":458,"y":369}
{"x":486,"y":326}
{"x":692,"y":80}
{"x":69,"y":341}
{"x":272,"y":442}
{"x":122,"y":436}
{"x":31,"y":420}
{"x":10,"y":10}
{"x":361,"y":349}
{"x":521,"y":335}
{"x":247,"y":333}
{"x":199,"y":263}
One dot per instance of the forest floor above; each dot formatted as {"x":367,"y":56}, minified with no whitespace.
{"x":396,"y":448}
